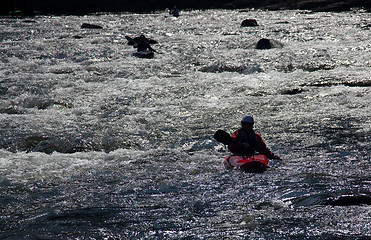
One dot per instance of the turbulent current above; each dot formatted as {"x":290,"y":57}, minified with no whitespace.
{"x":98,"y":144}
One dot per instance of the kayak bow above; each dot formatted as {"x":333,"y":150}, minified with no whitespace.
{"x":254,"y":163}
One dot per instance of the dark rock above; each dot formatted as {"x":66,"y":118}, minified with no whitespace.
{"x":264,"y":44}
{"x":92,"y":26}
{"x":11,"y":110}
{"x":29,"y":21}
{"x":249,"y":23}
{"x":365,"y":83}
{"x":348,"y":200}
{"x":292,"y":91}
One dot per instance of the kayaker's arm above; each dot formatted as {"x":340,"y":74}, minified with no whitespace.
{"x":263,"y":149}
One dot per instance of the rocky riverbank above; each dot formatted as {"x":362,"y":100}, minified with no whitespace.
{"x":30,"y":7}
{"x":319,"y":5}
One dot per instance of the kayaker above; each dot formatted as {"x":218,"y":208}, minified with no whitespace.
{"x":142,"y":44}
{"x":247,"y":142}
{"x":174,"y":12}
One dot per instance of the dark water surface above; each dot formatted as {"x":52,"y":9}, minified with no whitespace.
{"x":98,"y":144}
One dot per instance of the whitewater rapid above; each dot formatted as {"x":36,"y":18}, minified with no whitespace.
{"x":96,"y":143}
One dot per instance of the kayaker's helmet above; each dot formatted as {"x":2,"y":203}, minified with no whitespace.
{"x":247,"y":119}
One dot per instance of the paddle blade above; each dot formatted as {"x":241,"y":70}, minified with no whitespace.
{"x":130,"y":40}
{"x":223,"y":137}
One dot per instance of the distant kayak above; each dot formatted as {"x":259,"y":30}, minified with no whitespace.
{"x":254,"y":163}
{"x":144,"y":54}
{"x":133,"y":41}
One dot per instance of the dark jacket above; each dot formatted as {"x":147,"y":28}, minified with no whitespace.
{"x":256,"y":143}
{"x":143,"y":44}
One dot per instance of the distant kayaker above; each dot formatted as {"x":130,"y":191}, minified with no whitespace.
{"x":247,"y":142}
{"x":142,"y":44}
{"x":174,"y":11}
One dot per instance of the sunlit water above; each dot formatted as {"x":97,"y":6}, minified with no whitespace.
{"x":98,"y":144}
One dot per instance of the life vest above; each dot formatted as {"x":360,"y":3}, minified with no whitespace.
{"x":250,"y":138}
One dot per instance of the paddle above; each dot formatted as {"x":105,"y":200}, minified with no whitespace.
{"x":130,"y":40}
{"x":223,"y":137}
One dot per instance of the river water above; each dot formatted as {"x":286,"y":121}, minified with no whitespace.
{"x":98,"y":144}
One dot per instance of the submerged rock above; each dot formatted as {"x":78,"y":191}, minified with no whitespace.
{"x":264,"y":44}
{"x":348,"y":200}
{"x":93,"y":26}
{"x":249,"y":23}
{"x":292,"y":91}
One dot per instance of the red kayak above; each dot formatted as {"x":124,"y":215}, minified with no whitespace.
{"x":254,"y":163}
